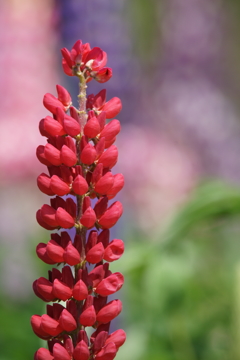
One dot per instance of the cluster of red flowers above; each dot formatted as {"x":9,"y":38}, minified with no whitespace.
{"x":79,"y":155}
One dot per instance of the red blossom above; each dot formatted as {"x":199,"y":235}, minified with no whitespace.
{"x":79,"y":155}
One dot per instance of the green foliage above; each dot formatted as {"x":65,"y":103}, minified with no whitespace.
{"x":181,"y":292}
{"x":145,"y":27}
{"x":17,"y":340}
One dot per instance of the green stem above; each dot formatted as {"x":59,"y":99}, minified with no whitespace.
{"x":81,"y":230}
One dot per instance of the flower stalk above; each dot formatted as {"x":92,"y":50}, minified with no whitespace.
{"x":80,"y":155}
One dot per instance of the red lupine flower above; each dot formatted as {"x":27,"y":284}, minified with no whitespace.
{"x":98,"y":103}
{"x":79,"y":155}
{"x":111,"y":215}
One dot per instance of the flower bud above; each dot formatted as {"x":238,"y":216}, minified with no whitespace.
{"x":109,"y":157}
{"x":88,"y":218}
{"x":67,"y":321}
{"x":80,"y":185}
{"x":52,"y":103}
{"x":43,"y":354}
{"x":81,"y":351}
{"x":88,"y":315}
{"x":68,"y":157}
{"x":52,"y":126}
{"x":88,"y":155}
{"x":71,"y":126}
{"x":80,"y":290}
{"x":60,"y":353}
{"x":92,"y":128}
{"x":63,"y":96}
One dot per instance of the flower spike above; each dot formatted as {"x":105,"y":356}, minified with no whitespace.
{"x":80,"y":155}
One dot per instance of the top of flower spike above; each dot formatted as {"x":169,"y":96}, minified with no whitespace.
{"x":91,"y":62}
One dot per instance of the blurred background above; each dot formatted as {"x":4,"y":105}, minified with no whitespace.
{"x":176,"y":66}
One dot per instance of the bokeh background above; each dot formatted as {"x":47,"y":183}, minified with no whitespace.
{"x":176,"y":66}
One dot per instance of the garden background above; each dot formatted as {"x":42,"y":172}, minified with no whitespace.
{"x":176,"y":68}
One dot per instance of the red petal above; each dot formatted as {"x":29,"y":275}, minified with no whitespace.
{"x":92,"y":128}
{"x":117,"y":185}
{"x":58,"y":186}
{"x":52,"y":154}
{"x":36,"y":326}
{"x":80,"y":185}
{"x":52,"y":126}
{"x":104,"y":184}
{"x":43,"y":255}
{"x":67,"y":321}
{"x":68,"y":157}
{"x":111,"y":130}
{"x":55,"y":251}
{"x":67,"y":57}
{"x":109,"y":311}
{"x":110,"y":285}
{"x":88,"y":218}
{"x":118,"y":337}
{"x":41,"y":156}
{"x":88,"y":155}
{"x":43,"y":354}
{"x":101,"y":206}
{"x":109,"y":157}
{"x":81,"y":351}
{"x":95,"y":254}
{"x":114,"y":250}
{"x":63,"y":95}
{"x":64,"y":219}
{"x":43,"y":182}
{"x":48,"y":215}
{"x":107,"y":353}
{"x":50,"y":326}
{"x":61,"y":290}
{"x":103,"y":75}
{"x":52,"y":103}
{"x":42,"y":222}
{"x":88,"y":316}
{"x":60,"y":353}
{"x":71,"y":126}
{"x":44,"y":288}
{"x":111,"y":215}
{"x":80,"y":290}
{"x":99,"y":99}
{"x":71,"y":255}
{"x":112,"y":107}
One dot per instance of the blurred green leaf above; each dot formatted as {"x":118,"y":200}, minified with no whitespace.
{"x":181,"y":289}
